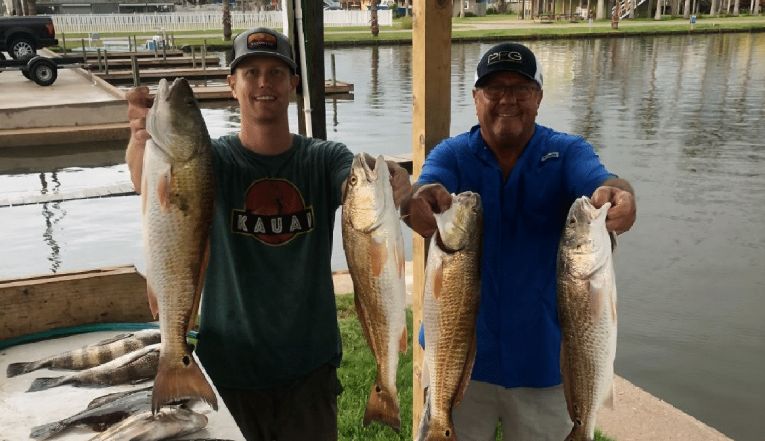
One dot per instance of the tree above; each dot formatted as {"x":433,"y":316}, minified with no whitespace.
{"x":658,"y":10}
{"x":735,"y":7}
{"x":756,"y":10}
{"x":687,"y":9}
{"x":601,"y":11}
{"x":226,"y":21}
{"x":373,"y":13}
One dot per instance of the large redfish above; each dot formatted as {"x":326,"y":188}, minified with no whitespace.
{"x":177,"y":205}
{"x":587,"y":314}
{"x":450,"y":308}
{"x":374,"y":249}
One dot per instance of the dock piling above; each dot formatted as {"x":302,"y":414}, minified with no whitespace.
{"x":84,"y":52}
{"x":134,"y":68}
{"x":334,"y":78}
{"x":193,"y":57}
{"x":63,"y":43}
{"x":106,"y":62}
{"x":204,"y":59}
{"x":98,"y":60}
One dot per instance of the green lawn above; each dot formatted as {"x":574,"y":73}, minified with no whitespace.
{"x":357,"y":373}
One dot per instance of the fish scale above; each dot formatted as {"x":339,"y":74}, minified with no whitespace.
{"x":374,"y":249}
{"x":450,"y":308}
{"x":177,"y":193}
{"x":587,"y":314}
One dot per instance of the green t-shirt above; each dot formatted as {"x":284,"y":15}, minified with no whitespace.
{"x":268,"y":308}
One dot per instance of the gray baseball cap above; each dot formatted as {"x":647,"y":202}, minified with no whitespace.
{"x":263,"y":42}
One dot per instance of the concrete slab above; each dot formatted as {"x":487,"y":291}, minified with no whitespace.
{"x":20,"y":410}
{"x":71,"y":87}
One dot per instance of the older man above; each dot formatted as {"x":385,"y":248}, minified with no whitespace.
{"x":528,"y":176}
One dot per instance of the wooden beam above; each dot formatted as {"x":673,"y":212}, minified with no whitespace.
{"x":431,"y":86}
{"x":40,"y":303}
{"x":313,"y":28}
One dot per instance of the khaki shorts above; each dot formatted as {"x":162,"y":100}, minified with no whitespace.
{"x":526,"y":414}
{"x":303,"y":410}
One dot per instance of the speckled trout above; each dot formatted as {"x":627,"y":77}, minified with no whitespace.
{"x":450,"y":307}
{"x":587,"y":314}
{"x":374,"y":249}
{"x":177,"y":207}
{"x":91,"y":355}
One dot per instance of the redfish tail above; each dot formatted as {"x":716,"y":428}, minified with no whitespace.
{"x":579,"y":433}
{"x":177,"y":381}
{"x":382,"y":407}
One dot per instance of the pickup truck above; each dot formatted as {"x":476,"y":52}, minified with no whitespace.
{"x":20,"y":37}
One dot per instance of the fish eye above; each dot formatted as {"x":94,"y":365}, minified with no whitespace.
{"x":353,"y":180}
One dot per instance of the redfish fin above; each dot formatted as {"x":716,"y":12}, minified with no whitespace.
{"x":404,"y":342}
{"x":609,"y":400}
{"x":200,"y":282}
{"x":467,"y":369}
{"x":382,"y":407}
{"x":181,"y":381}
{"x":153,"y":304}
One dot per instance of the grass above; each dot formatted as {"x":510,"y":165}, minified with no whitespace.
{"x":357,"y":373}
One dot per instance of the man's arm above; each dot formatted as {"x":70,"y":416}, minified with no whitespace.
{"x":139,"y":103}
{"x":623,"y":211}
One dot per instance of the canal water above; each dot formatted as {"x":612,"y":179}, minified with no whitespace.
{"x":682,"y":118}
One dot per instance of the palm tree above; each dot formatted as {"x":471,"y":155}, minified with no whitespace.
{"x":373,"y":13}
{"x":226,"y":21}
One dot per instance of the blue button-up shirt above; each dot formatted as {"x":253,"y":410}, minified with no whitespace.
{"x":518,"y":333}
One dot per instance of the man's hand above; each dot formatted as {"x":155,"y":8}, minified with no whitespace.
{"x":418,"y":210}
{"x":399,"y":180}
{"x":621,"y":216}
{"x":139,"y":103}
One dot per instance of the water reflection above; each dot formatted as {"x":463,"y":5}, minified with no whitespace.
{"x":52,"y":214}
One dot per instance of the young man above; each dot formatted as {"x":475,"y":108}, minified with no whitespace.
{"x":528,"y":176}
{"x":268,"y":336}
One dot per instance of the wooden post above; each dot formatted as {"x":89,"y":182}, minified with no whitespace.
{"x":204,"y":59}
{"x":431,"y":86}
{"x":313,"y":30}
{"x":334,"y":76}
{"x":136,"y":73}
{"x":63,"y":43}
{"x":193,"y":57}
{"x":164,"y":52}
{"x":98,"y":60}
{"x":106,"y":62}
{"x":84,"y":52}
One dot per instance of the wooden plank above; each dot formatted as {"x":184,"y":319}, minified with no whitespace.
{"x":120,"y":189}
{"x":431,"y":86}
{"x":39,"y":303}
